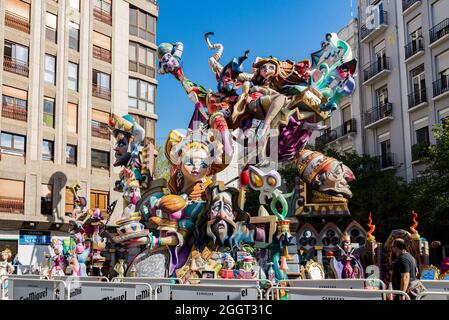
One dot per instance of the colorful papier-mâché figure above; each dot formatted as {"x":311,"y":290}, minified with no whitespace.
{"x":5,"y":266}
{"x":194,"y":157}
{"x":219,"y":104}
{"x":348,"y":266}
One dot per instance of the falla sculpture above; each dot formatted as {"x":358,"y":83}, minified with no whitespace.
{"x":195,"y":225}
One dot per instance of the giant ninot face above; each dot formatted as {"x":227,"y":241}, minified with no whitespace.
{"x":334,"y":180}
{"x":121,"y":148}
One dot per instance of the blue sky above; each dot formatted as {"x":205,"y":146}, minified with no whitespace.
{"x":286,"y":29}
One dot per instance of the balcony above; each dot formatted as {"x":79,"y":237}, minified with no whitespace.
{"x":337,"y":133}
{"x":11,"y":205}
{"x":413,"y":48}
{"x":100,"y":130}
{"x":376,"y":71}
{"x":15,"y":66}
{"x":409,"y":5}
{"x":369,"y":32}
{"x":419,"y":151}
{"x":17,"y":22}
{"x":378,"y":115}
{"x":417,"y":99}
{"x":101,"y":92}
{"x":439,"y":32}
{"x":440,"y":87}
{"x":102,"y":16}
{"x":387,"y":161}
{"x":15,"y":112}
{"x":102,"y":54}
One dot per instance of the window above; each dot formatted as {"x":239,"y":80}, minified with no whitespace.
{"x":385,"y":154}
{"x":100,"y":159}
{"x":101,"y":86}
{"x":141,"y":95}
{"x":50,"y":69}
{"x":141,"y":59}
{"x":142,"y":25}
{"x":102,"y":47}
{"x":382,"y":96}
{"x":47,"y":199}
{"x":74,"y":35}
{"x":51,"y":22}
{"x":11,"y":196}
{"x":73,"y":76}
{"x":418,"y":79}
{"x":69,"y":202}
{"x":75,"y":4}
{"x":12,"y":144}
{"x":100,"y":127}
{"x":17,"y":15}
{"x":100,"y":200}
{"x":15,"y":58}
{"x":49,"y":112}
{"x":72,"y":118}
{"x":71,"y":155}
{"x":103,"y":11}
{"x":422,"y":136}
{"x":381,"y":56}
{"x":47,"y":150}
{"x":14,"y":103}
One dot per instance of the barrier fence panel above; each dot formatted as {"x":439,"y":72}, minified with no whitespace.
{"x":92,"y":290}
{"x":161,"y":289}
{"x":235,"y":282}
{"x":4,"y":282}
{"x":35,"y":289}
{"x":297,"y":293}
{"x":433,"y":295}
{"x":441,"y":286}
{"x":214,"y":292}
{"x":336,"y":283}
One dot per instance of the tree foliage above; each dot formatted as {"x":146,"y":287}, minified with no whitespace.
{"x":162,"y":164}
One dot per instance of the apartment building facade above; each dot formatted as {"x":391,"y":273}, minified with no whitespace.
{"x":66,"y":66}
{"x":343,"y":128}
{"x":403,"y":88}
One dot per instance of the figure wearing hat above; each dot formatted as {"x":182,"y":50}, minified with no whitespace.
{"x":219,"y":104}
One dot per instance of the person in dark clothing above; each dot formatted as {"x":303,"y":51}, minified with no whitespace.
{"x":404,"y":267}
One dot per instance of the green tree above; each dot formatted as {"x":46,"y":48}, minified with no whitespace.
{"x":431,"y":194}
{"x":162,"y":164}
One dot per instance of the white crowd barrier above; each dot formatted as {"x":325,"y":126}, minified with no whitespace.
{"x":28,"y":288}
{"x":4,"y":282}
{"x":94,"y":290}
{"x":298,"y":293}
{"x":215,"y":292}
{"x":161,"y":289}
{"x":438,"y":287}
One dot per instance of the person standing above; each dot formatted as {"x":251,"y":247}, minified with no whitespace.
{"x":404,"y":268}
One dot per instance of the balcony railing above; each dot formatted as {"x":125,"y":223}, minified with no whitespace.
{"x":378,"y":113}
{"x":416,"y":98}
{"x":100,"y":130}
{"x":341,"y":131}
{"x":414,"y":47}
{"x":441,"y":86}
{"x":17,"y":22}
{"x":407,"y":4}
{"x":365,"y":31}
{"x":375,"y":68}
{"x":102,"y":16}
{"x":15,"y":112}
{"x":11,"y":205}
{"x":102,"y":54}
{"x":15,"y":66}
{"x":419,"y":151}
{"x":101,"y":92}
{"x":439,"y":31}
{"x":387,"y":160}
